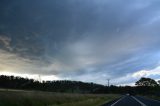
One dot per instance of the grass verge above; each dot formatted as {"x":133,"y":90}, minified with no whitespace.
{"x":153,"y":97}
{"x":37,"y":98}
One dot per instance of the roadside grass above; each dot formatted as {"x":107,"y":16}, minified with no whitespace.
{"x":153,"y":97}
{"x":93,"y":100}
{"x":38,"y":98}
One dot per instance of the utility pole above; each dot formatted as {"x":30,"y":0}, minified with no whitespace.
{"x":108,"y":85}
{"x":108,"y":82}
{"x":39,"y":78}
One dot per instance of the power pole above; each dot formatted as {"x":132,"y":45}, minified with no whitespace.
{"x":108,"y":82}
{"x":39,"y":78}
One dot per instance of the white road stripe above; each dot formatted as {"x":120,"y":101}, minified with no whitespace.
{"x":154,"y":100}
{"x":139,"y":101}
{"x":149,"y":99}
{"x":118,"y":101}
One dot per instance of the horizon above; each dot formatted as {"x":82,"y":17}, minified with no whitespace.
{"x":46,"y":79}
{"x":80,"y":40}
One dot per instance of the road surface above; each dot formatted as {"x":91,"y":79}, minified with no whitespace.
{"x":133,"y":101}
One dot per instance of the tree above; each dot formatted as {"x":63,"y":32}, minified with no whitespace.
{"x":146,"y":82}
{"x":158,"y":82}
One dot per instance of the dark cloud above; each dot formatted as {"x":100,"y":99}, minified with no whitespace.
{"x":81,"y":40}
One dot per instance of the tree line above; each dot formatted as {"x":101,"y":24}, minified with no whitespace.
{"x":143,"y":86}
{"x":12,"y":82}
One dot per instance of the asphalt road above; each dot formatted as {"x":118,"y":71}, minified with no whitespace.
{"x":133,"y":101}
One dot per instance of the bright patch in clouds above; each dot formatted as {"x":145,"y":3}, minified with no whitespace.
{"x":129,"y":78}
{"x":147,"y":73}
{"x":32,"y":76}
{"x":80,"y":39}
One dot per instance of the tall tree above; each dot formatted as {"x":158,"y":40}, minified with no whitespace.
{"x":146,"y":82}
{"x":158,"y":82}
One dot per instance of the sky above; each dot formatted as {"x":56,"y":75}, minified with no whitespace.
{"x":82,"y":40}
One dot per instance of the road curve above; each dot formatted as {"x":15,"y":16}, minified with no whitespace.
{"x":133,"y":101}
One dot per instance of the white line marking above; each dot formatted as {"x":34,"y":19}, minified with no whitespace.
{"x":149,"y":99}
{"x":139,"y":101}
{"x":153,"y":100}
{"x":118,"y":101}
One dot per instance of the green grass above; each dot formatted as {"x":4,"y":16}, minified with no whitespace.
{"x":153,"y":97}
{"x":37,"y":98}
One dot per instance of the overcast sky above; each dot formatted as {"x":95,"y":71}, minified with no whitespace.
{"x":86,"y":40}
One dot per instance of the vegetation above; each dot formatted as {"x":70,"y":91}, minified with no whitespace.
{"x":144,"y":86}
{"x":146,"y":82}
{"x":53,"y":86}
{"x":37,"y":98}
{"x":17,"y":91}
{"x":153,"y":97}
{"x":149,"y":87}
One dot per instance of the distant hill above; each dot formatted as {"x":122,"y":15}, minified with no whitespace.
{"x":66,"y":86}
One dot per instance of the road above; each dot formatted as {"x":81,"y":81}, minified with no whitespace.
{"x":133,"y":101}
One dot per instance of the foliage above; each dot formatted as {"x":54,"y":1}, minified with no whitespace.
{"x":146,"y":86}
{"x":146,"y":82}
{"x":54,"y":86}
{"x":158,"y":82}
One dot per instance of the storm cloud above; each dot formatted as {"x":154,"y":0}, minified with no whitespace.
{"x":87,"y":40}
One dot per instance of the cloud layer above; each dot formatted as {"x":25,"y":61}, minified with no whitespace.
{"x":80,"y":40}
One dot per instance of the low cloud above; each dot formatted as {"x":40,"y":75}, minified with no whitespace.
{"x":81,"y":40}
{"x":148,"y":73}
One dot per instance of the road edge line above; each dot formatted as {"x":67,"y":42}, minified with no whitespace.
{"x":118,"y":101}
{"x":139,"y":101}
{"x":150,"y":99}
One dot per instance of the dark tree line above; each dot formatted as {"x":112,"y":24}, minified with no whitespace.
{"x":143,"y":86}
{"x":12,"y":82}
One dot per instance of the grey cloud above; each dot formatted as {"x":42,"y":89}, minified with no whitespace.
{"x":89,"y":40}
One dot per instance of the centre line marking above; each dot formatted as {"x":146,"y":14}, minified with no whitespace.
{"x":139,"y":101}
